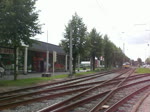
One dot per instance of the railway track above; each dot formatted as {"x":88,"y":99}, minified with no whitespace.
{"x":15,"y":97}
{"x":127,"y":103}
{"x":74,"y":95}
{"x":93,"y":100}
{"x":82,"y":105}
{"x":85,"y":94}
{"x":58,"y":83}
{"x":142,"y":104}
{"x":86,"y":104}
{"x":118,"y":95}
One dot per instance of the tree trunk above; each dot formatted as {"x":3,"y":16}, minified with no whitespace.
{"x":93,"y":59}
{"x":91,"y":63}
{"x":16,"y":62}
{"x":74,"y":64}
{"x":106,"y":63}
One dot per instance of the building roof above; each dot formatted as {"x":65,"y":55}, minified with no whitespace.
{"x":43,"y":46}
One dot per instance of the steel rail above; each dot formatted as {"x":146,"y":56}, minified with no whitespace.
{"x":32,"y":101}
{"x":8,"y":99}
{"x":25,"y":102}
{"x":15,"y":104}
{"x":53,"y":83}
{"x":60,"y":104}
{"x":91,"y":83}
{"x":9,"y":92}
{"x":139,"y":103}
{"x":116,"y":105}
{"x":11,"y":98}
{"x":83,"y":101}
{"x":110,"y":94}
{"x":64,"y":108}
{"x":53,"y":88}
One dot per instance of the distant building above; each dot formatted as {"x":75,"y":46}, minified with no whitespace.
{"x":33,"y":58}
{"x":85,"y":63}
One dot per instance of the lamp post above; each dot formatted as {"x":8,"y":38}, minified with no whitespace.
{"x":47,"y":55}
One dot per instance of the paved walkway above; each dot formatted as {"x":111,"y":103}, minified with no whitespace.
{"x":32,"y":75}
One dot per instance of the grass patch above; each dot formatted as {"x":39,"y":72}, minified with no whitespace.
{"x":142,"y":70}
{"x":33,"y":81}
{"x":84,"y":73}
{"x":30,"y":81}
{"x":21,"y":82}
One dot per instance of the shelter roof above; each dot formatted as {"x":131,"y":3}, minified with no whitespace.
{"x":43,"y":47}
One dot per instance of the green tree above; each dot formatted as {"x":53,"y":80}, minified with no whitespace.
{"x":112,"y":54}
{"x":115,"y":55}
{"x":147,"y":60}
{"x":94,"y":45}
{"x":78,"y":38}
{"x":139,"y":61}
{"x":108,"y":52}
{"x":18,"y":22}
{"x":119,"y":57}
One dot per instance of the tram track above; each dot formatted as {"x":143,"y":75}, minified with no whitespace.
{"x":143,"y":103}
{"x":29,"y":100}
{"x":59,"y":87}
{"x":58,"y":83}
{"x":116,"y":96}
{"x":127,"y":103}
{"x":86,"y":104}
{"x":84,"y":94}
{"x":77,"y":96}
{"x":138,"y":77}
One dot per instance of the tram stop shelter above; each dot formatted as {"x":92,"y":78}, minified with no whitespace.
{"x":33,"y":58}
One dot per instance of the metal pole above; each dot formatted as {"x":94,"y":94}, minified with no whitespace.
{"x":79,"y":62}
{"x":47,"y":54}
{"x":54,"y":60}
{"x":17,"y":54}
{"x":66,"y":60}
{"x":47,"y":60}
{"x":53,"y":66}
{"x":70,"y":59}
{"x":25,"y":60}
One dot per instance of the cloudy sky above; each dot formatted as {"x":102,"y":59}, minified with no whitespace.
{"x":125,"y":21}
